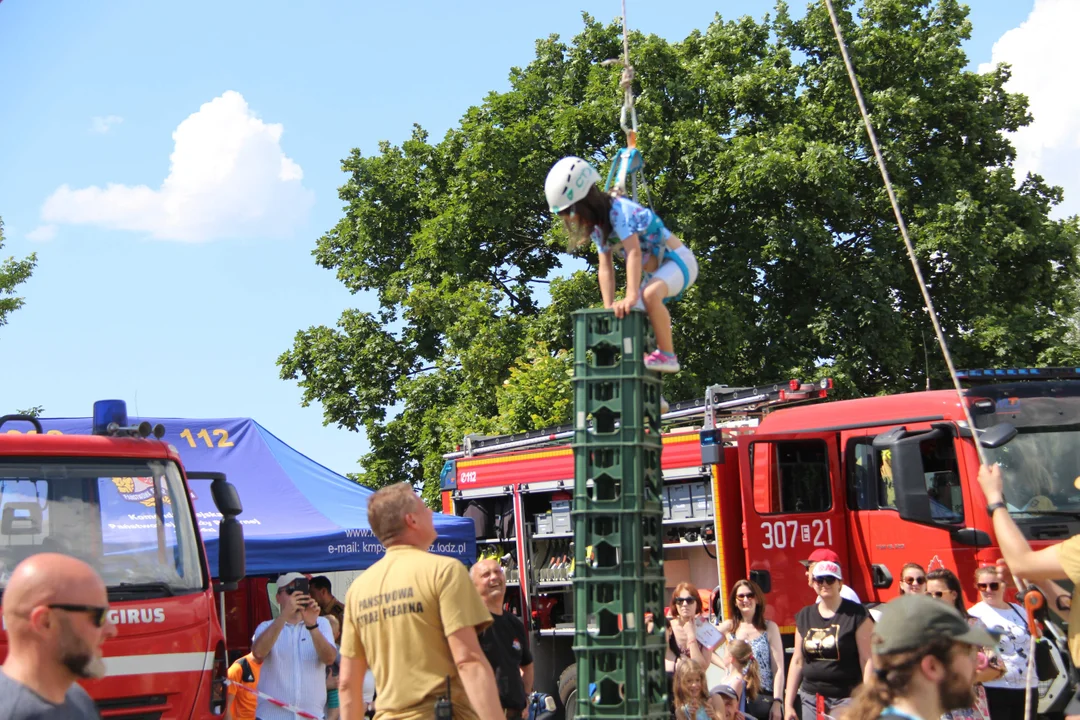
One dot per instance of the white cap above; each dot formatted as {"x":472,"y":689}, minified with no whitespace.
{"x":826,"y":569}
{"x":287,"y":578}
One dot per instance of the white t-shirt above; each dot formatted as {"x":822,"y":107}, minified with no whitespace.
{"x":1014,"y":644}
{"x":369,"y":687}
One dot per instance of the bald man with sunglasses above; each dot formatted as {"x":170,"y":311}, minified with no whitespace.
{"x":56,"y":616}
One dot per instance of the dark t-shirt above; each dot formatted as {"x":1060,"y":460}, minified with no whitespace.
{"x":507,"y":649}
{"x":18,"y":702}
{"x":830,"y":654}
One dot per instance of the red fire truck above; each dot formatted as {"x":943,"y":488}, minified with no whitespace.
{"x":757,"y":478}
{"x":63,"y":493}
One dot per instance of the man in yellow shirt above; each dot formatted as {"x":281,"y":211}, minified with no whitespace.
{"x":413,"y":618}
{"x":242,"y":700}
{"x":1060,"y":561}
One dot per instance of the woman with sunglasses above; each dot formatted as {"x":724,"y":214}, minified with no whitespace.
{"x":912,"y":579}
{"x":942,"y":584}
{"x":832,"y":649}
{"x":746,"y":611}
{"x":682,"y":639}
{"x":1006,"y":695}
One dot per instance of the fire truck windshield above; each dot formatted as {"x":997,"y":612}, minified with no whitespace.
{"x":129,"y":519}
{"x":1039,"y":467}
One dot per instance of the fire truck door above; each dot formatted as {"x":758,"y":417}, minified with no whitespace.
{"x":889,"y":542}
{"x":793,"y":504}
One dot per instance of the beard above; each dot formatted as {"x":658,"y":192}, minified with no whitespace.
{"x":78,"y":657}
{"x":956,"y":692}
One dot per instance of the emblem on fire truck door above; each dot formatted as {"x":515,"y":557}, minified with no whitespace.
{"x":138,"y":489}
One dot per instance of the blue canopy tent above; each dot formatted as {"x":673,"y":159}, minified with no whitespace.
{"x":298,"y":515}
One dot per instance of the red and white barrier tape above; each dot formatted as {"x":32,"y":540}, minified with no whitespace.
{"x":274,"y":701}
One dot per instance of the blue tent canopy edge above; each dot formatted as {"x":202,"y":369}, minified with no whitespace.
{"x":298,"y":514}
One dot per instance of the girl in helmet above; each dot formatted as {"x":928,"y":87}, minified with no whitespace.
{"x":658,"y":265}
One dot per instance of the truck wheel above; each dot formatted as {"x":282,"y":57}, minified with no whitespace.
{"x":568,"y":691}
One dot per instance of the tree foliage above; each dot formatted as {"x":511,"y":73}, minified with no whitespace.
{"x":12,"y":274}
{"x":755,"y":158}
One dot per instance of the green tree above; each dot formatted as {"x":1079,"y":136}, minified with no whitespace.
{"x":35,"y":411}
{"x":12,"y":274}
{"x":760,"y":162}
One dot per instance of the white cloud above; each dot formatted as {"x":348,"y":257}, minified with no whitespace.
{"x":228,"y":177}
{"x":42,"y":233}
{"x":1045,"y":65}
{"x":102,"y":125}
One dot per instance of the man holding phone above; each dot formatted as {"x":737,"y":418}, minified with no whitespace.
{"x":294,"y":649}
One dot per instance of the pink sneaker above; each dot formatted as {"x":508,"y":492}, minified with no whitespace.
{"x":659,"y":361}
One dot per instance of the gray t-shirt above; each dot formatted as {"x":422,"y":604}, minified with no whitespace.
{"x":18,"y":702}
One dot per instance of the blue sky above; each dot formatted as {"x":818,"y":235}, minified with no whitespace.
{"x":130,"y":299}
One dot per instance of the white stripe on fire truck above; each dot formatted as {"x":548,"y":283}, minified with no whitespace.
{"x":163,"y":663}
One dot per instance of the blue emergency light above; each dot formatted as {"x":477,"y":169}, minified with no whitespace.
{"x":107,"y":412}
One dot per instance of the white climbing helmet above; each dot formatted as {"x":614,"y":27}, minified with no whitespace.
{"x":568,"y":181}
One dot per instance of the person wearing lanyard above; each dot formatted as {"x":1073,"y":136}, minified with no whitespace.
{"x":925,"y":657}
{"x":1006,"y":696}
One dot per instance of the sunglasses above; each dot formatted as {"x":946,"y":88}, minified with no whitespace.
{"x":915,"y":580}
{"x":683,"y":600}
{"x":990,"y":586}
{"x":939,"y":594}
{"x":97,"y":614}
{"x":745,"y":596}
{"x":826,"y":580}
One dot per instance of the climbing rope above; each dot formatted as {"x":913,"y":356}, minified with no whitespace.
{"x":903,"y":226}
{"x":629,"y":162}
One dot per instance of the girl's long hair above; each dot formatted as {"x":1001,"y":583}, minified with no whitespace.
{"x":892,"y":677}
{"x":758,"y":620}
{"x":743,"y":654}
{"x":590,"y":212}
{"x":685,"y":671}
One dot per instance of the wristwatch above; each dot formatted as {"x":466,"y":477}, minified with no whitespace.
{"x":311,"y":627}
{"x":994,"y":506}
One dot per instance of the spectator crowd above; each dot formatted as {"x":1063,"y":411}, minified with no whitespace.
{"x":453,"y":650}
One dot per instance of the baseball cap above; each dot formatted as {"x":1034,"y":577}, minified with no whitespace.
{"x":287,"y":578}
{"x":824,"y":568}
{"x":821,"y":555}
{"x":911,"y":621}
{"x":725,"y":690}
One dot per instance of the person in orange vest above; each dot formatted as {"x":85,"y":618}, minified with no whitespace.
{"x":242,"y":701}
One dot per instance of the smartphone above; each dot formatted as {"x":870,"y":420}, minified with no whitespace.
{"x":300,"y":585}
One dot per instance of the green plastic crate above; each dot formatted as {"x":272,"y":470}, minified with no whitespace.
{"x":605,"y":345}
{"x":620,"y":409}
{"x":617,"y":608}
{"x":625,"y":477}
{"x":611,"y":545}
{"x":627,"y":682}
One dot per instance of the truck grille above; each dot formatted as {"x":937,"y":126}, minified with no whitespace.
{"x":128,"y":708}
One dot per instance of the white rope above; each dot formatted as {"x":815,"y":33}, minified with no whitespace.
{"x":1027,"y":681}
{"x":903,"y":227}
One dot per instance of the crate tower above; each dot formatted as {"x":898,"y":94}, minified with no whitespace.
{"x":617,"y":514}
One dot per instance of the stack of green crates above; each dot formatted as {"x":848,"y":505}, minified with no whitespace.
{"x":617,"y":515}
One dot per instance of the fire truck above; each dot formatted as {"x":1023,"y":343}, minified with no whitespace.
{"x":755,"y":479}
{"x":71,"y":494}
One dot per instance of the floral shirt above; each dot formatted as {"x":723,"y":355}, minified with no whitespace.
{"x":628,"y":218}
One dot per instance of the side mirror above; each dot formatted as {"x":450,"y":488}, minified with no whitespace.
{"x":909,"y":482}
{"x":997,"y":435}
{"x":232,"y":561}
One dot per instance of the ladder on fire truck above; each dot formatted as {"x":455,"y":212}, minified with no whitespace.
{"x":722,"y":407}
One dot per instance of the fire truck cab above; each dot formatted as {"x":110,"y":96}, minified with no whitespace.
{"x":758,"y":478}
{"x":71,"y":494}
